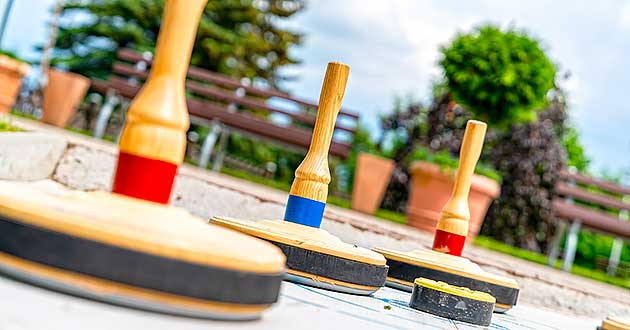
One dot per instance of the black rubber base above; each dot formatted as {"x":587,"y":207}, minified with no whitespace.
{"x":333,"y":267}
{"x":451,"y":306}
{"x":408,"y":272}
{"x":134,"y":268}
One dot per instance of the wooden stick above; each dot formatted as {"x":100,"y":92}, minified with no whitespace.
{"x":309,"y":190}
{"x":452,"y":228}
{"x":153,"y":141}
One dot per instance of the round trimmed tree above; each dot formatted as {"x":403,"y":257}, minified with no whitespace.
{"x":500,"y":76}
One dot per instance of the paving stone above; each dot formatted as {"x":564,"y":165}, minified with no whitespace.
{"x":29,"y":156}
{"x":86,"y":169}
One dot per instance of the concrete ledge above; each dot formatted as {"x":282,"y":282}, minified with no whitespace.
{"x":29,"y":156}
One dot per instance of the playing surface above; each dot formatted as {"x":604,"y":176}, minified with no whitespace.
{"x":301,"y":306}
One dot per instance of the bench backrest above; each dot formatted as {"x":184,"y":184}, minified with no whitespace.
{"x":598,"y":204}
{"x":229,"y":91}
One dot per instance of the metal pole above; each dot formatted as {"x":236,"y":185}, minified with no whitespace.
{"x":5,"y":18}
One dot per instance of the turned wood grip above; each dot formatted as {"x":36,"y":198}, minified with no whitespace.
{"x":457,"y":206}
{"x":312,"y":176}
{"x":157,"y":120}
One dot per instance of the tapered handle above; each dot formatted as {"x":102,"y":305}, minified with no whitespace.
{"x":153,"y":140}
{"x":313,"y":175}
{"x":452,"y":227}
{"x":457,"y":206}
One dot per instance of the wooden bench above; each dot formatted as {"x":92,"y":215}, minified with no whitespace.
{"x":223,"y":102}
{"x":607,"y":214}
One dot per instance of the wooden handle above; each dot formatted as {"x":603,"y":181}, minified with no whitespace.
{"x":157,"y":119}
{"x":313,"y":176}
{"x":457,"y":206}
{"x":153,"y":140}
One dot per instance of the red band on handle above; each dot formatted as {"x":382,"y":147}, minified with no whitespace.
{"x":449,"y":243}
{"x":144,"y":178}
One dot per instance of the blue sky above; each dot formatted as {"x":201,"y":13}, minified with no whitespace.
{"x":392,"y":48}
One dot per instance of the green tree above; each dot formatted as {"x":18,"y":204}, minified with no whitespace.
{"x":240,"y":38}
{"x":500,"y":76}
{"x":576,"y":156}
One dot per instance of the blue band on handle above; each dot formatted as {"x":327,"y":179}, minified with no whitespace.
{"x":304,"y":211}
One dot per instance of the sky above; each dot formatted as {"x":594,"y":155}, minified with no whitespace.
{"x":392,"y":48}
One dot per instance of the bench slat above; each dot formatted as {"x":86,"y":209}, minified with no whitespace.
{"x":593,"y":219}
{"x":125,"y":69}
{"x":586,"y":180}
{"x":567,"y":190}
{"x":202,"y":74}
{"x":245,"y":122}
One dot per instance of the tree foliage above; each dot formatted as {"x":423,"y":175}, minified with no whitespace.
{"x":501,"y":77}
{"x":240,"y":38}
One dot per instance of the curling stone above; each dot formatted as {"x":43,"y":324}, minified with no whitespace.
{"x":612,"y":322}
{"x":314,"y":256}
{"x":452,"y":302}
{"x":135,"y":253}
{"x":444,"y":263}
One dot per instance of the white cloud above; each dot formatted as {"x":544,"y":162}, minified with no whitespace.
{"x":392,"y":47}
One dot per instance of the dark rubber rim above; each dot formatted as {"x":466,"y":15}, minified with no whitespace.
{"x":138,"y":269}
{"x":408,"y":272}
{"x":451,"y":306}
{"x":333,"y":267}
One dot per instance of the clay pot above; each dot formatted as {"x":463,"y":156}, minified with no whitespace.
{"x":431,"y":188}
{"x":62,"y":96}
{"x":11,"y":73}
{"x":370,"y":181}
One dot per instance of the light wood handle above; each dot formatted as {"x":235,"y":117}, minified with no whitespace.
{"x":313,"y":175}
{"x":456,"y":210}
{"x":157,"y":119}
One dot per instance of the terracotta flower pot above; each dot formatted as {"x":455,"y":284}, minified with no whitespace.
{"x":11,"y":73}
{"x":431,"y":188}
{"x":62,"y":96}
{"x":370,"y":180}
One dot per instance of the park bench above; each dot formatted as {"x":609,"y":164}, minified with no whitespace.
{"x":590,"y":203}
{"x":225,"y":103}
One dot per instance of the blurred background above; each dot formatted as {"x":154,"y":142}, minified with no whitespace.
{"x":549,"y":78}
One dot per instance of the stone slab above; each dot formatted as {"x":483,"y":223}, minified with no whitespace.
{"x":29,"y":156}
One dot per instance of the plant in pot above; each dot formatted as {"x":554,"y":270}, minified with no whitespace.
{"x":433,"y":175}
{"x":12,"y":70}
{"x":372,"y":171}
{"x":503,"y":77}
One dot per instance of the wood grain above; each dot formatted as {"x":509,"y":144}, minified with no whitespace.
{"x":303,"y":237}
{"x":157,"y":119}
{"x":456,"y":213}
{"x":313,"y":175}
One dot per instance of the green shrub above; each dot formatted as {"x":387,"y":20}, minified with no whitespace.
{"x":501,"y":76}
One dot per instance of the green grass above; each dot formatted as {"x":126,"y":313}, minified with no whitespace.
{"x":538,"y":258}
{"x":332,"y":200}
{"x":7,"y":127}
{"x":23,"y":115}
{"x":89,"y":133}
{"x":254,"y":178}
{"x":71,"y":129}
